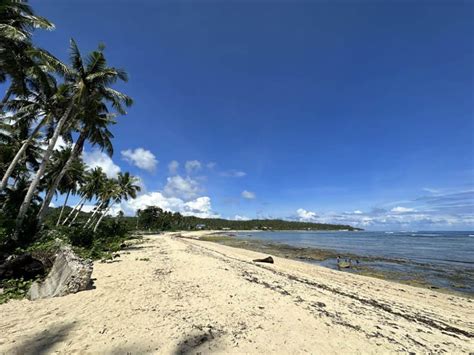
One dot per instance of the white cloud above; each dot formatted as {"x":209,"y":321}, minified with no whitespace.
{"x":357,"y":212}
{"x":248,"y":195}
{"x":211,"y":165}
{"x":97,"y":158}
{"x":199,"y":207}
{"x":233,"y":173}
{"x":88,"y":208}
{"x":305,"y":215}
{"x":173,"y":167}
{"x":184,"y":188}
{"x":400,"y":209}
{"x":60,"y":144}
{"x":192,"y":166}
{"x":240,"y":218}
{"x":141,"y":158}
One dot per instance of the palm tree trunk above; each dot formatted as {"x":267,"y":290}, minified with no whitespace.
{"x":49,"y":195}
{"x":93,"y":214}
{"x":73,"y":210}
{"x":39,"y":174}
{"x":18,"y":156}
{"x":102,"y":217}
{"x":77,"y":214}
{"x":62,"y":209}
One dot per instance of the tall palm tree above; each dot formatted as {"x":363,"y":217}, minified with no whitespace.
{"x":93,"y":181}
{"x":126,"y":188}
{"x":93,"y":121}
{"x":87,"y":83}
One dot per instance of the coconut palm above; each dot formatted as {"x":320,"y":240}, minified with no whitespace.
{"x":94,"y":121}
{"x":17,"y":22}
{"x":108,"y":191}
{"x":87,"y":82}
{"x":93,"y":181}
{"x":71,"y":180}
{"x":43,"y":104}
{"x":12,"y":139}
{"x":126,"y":187}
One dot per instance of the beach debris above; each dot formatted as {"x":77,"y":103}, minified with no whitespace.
{"x":268,"y":259}
{"x":22,"y":266}
{"x":344,"y":264}
{"x":69,"y":274}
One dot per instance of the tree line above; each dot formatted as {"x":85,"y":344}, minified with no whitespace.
{"x":154,"y":218}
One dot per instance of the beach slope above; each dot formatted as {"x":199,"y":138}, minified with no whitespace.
{"x":175,"y":295}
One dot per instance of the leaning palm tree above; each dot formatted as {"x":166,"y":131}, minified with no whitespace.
{"x":93,"y":181}
{"x":71,"y":180}
{"x":108,"y":191}
{"x":94,"y":121}
{"x":126,"y":188}
{"x":87,"y":83}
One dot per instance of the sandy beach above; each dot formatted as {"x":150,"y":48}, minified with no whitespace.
{"x":173,"y":295}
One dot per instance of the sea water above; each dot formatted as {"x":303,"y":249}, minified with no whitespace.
{"x":444,"y":259}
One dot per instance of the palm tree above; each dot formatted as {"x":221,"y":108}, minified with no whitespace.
{"x":40,"y":108}
{"x":87,"y":84}
{"x":93,"y":182}
{"x":71,"y":180}
{"x":107,"y":191}
{"x":17,"y":22}
{"x":94,"y":121}
{"x":126,"y":188}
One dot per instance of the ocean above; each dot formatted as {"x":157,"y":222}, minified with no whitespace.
{"x":441,"y":259}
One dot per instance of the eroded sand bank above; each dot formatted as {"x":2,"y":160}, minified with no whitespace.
{"x":173,"y":295}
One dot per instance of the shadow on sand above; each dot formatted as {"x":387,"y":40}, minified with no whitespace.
{"x":41,"y":343}
{"x":190,"y":344}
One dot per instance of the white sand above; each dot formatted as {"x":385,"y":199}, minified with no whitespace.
{"x":200,"y":297}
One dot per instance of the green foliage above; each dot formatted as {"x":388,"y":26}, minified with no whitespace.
{"x":262,"y":224}
{"x":14,"y":289}
{"x":156,"y":219}
{"x":79,"y":237}
{"x":10,"y":202}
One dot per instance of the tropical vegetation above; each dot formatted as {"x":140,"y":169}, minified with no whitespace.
{"x":47,"y":102}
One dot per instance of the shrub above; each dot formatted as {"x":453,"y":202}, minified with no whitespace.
{"x":80,"y":237}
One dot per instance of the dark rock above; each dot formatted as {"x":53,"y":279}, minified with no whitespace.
{"x":268,"y":259}
{"x":22,"y":266}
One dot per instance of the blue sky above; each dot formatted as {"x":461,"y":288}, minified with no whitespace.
{"x":348,"y":112}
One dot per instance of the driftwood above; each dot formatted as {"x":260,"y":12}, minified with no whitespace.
{"x":69,"y":274}
{"x":268,"y":259}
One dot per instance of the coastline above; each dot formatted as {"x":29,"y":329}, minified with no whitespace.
{"x":404,"y":272}
{"x":167,"y":294}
